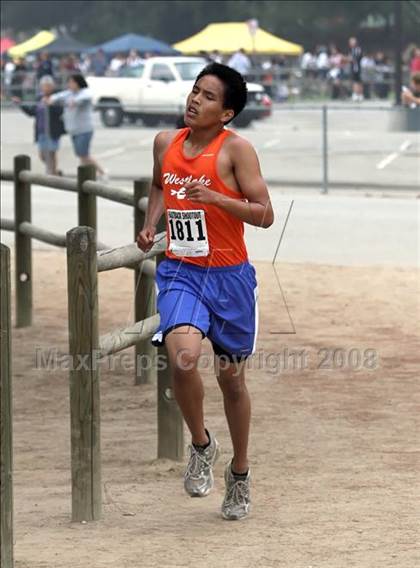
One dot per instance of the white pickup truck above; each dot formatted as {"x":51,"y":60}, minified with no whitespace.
{"x":156,"y":90}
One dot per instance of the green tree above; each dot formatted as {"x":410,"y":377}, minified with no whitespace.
{"x":307,"y":22}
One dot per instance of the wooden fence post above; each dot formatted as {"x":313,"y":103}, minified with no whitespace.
{"x":23,"y":245}
{"x":84,"y":375}
{"x":6,"y":438}
{"x":87,"y":216}
{"x":170,"y":420}
{"x":144,"y":299}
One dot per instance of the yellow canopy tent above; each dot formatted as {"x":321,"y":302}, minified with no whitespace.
{"x":230,"y":36}
{"x":41,"y":39}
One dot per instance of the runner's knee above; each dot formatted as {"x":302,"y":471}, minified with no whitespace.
{"x":232,"y":385}
{"x":184,"y":359}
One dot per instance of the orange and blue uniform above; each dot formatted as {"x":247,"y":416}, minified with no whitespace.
{"x":206,"y":280}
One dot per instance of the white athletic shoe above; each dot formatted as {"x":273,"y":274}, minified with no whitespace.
{"x":198,"y":478}
{"x":237,"y":502}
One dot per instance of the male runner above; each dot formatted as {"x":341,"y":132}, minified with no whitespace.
{"x":207,"y":181}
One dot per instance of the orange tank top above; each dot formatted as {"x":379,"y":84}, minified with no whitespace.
{"x":198,"y":233}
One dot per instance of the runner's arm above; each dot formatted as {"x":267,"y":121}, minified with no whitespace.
{"x":257,"y":210}
{"x":155,"y":207}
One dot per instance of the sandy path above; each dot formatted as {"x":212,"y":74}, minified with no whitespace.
{"x":335,"y":452}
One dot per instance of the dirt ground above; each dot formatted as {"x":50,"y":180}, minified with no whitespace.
{"x":334,"y":443}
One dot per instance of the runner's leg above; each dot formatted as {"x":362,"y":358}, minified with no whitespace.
{"x":237,"y":403}
{"x":184,"y":347}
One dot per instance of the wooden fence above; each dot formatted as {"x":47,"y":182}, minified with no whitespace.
{"x":87,"y":190}
{"x":83,"y":266}
{"x":6,"y":446}
{"x":85,"y":259}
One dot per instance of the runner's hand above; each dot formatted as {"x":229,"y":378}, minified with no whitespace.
{"x":145,"y":238}
{"x":200,"y":193}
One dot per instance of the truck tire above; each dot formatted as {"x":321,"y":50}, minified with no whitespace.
{"x":112,"y":116}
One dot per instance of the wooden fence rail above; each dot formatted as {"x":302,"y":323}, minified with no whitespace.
{"x":107,"y":192}
{"x":88,"y":189}
{"x":40,"y":234}
{"x":7,"y":175}
{"x":7,"y":224}
{"x":121,"y":339}
{"x":54,"y":182}
{"x":86,"y":346}
{"x":129,"y":255}
{"x":83,"y":265}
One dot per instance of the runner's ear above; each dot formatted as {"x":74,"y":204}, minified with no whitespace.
{"x":227,"y":115}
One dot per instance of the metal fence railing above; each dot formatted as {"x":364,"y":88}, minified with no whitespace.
{"x":340,"y":146}
{"x":288,"y":83}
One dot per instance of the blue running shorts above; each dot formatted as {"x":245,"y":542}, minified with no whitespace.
{"x":221,"y":302}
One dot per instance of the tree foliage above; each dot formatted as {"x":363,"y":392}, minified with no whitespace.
{"x":304,"y":21}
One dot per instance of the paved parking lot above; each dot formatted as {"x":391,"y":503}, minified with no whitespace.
{"x":362,"y":147}
{"x":341,"y":228}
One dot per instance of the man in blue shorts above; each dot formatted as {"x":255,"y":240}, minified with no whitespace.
{"x":207,"y":181}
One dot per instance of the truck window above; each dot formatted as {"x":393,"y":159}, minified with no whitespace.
{"x":136,"y":71}
{"x":189,"y":70}
{"x":161,"y":72}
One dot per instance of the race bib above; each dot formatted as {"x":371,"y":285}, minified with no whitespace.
{"x":188,"y":232}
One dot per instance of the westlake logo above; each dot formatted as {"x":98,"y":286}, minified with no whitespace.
{"x":172,"y":179}
{"x":180,"y":194}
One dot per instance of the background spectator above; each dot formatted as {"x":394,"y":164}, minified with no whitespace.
{"x":48,"y":124}
{"x":216,"y":56}
{"x":69,"y":64}
{"x":8,"y":69}
{"x":383,"y":75}
{"x":355,"y":58}
{"x":240,"y":62}
{"x":18,"y":78}
{"x":336,"y":72}
{"x":411,"y":97}
{"x":322,"y":63}
{"x":133,"y":59}
{"x":44,"y":65}
{"x":99,"y":63}
{"x":368,"y":74}
{"x":308,"y":64}
{"x":78,"y":118}
{"x":415,"y":61}
{"x":85,"y":64}
{"x":116,"y":63}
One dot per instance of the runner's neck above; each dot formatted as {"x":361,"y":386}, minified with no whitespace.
{"x":197,"y":140}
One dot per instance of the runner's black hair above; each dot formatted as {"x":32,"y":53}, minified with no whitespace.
{"x":235,"y":85}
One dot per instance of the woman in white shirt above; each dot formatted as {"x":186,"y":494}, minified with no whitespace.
{"x":78,"y":118}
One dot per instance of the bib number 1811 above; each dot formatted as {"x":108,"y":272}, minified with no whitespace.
{"x":177,"y":230}
{"x":188,"y":232}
